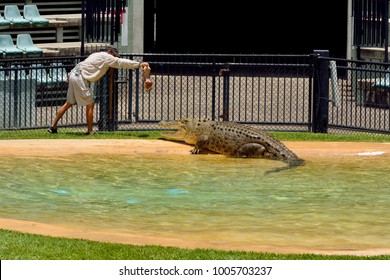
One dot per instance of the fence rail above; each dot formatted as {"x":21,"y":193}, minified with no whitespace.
{"x":275,"y":92}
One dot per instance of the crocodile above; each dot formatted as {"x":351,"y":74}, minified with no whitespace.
{"x":229,"y":138}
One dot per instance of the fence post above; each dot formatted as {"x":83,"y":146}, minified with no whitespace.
{"x":320,"y":92}
{"x":213,"y":92}
{"x":108,"y":103}
{"x":225,"y":72}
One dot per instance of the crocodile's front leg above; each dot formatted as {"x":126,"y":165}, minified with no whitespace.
{"x":200,"y":144}
{"x":251,"y":150}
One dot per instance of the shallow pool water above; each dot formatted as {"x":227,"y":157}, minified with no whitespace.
{"x":340,"y":202}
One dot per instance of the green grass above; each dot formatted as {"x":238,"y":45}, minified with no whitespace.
{"x":72,"y":133}
{"x":77,"y":134}
{"x":15,"y":245}
{"x":23,"y":246}
{"x":353,"y":137}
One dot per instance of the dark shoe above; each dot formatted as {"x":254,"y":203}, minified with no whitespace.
{"x":52,"y":130}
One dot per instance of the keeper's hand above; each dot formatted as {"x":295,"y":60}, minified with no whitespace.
{"x":145,"y":68}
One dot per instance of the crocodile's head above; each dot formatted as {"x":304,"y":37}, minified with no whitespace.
{"x":187,"y":130}
{"x":179,"y":127}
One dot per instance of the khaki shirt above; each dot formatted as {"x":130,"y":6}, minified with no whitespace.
{"x":97,"y":64}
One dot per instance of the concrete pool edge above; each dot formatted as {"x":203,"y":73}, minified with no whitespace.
{"x":101,"y":146}
{"x":56,"y":147}
{"x":119,"y":146}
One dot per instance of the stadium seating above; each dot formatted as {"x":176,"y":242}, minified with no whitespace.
{"x":4,"y":24}
{"x":25,"y":43}
{"x":54,"y":26}
{"x":7,"y":47}
{"x":40,"y":74}
{"x":31,"y":13}
{"x":58,"y":73}
{"x":12,"y":13}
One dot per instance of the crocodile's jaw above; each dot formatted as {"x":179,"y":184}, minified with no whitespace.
{"x":177,"y":135}
{"x":177,"y":125}
{"x":184,"y":130}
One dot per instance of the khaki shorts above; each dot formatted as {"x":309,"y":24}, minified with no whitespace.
{"x":79,"y":91}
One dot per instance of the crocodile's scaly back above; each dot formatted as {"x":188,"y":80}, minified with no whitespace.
{"x":229,"y":138}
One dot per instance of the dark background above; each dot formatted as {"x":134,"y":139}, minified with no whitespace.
{"x":247,"y":27}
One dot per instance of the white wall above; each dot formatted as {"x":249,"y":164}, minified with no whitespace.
{"x":135,"y":28}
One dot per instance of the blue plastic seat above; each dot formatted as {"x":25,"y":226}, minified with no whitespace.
{"x":4,"y":24}
{"x":58,"y":73}
{"x":7,"y":47}
{"x":384,"y":82}
{"x":31,"y":13}
{"x":2,"y":74}
{"x":18,"y":72}
{"x":12,"y":13}
{"x":25,"y":43}
{"x":39,"y":73}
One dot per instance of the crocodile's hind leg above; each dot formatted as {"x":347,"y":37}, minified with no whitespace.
{"x":251,"y":150}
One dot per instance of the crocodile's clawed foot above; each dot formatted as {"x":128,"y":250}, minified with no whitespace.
{"x":195,"y":151}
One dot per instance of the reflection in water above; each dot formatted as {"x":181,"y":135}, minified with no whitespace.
{"x":328,"y":203}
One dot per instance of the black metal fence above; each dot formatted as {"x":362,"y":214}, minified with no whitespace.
{"x":275,"y":92}
{"x":272,"y":90}
{"x":359,"y":98}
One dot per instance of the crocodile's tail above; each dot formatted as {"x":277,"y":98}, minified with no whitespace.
{"x":291,"y":163}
